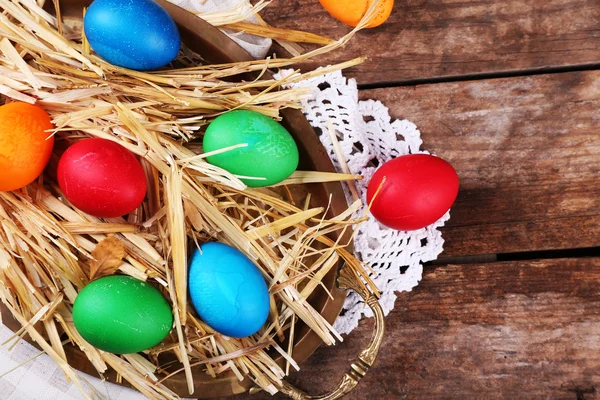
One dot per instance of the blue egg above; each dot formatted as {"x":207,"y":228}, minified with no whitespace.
{"x":134,"y":34}
{"x":227,"y":290}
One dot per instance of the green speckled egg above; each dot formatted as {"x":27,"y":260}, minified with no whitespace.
{"x":122,"y":315}
{"x":271,"y":153}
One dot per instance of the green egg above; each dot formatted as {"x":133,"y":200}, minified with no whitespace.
{"x":122,"y":315}
{"x":271,"y":153}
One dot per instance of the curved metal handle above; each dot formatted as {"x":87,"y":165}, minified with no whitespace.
{"x":349,"y":280}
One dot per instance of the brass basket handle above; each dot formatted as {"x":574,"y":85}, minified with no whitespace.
{"x":358,"y":369}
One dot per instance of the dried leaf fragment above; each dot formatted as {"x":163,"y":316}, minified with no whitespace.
{"x":107,"y":257}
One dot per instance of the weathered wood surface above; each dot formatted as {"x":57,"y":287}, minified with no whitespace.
{"x":518,"y":330}
{"x":440,"y":38}
{"x":527,"y":151}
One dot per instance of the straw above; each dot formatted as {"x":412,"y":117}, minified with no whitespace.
{"x":49,"y":250}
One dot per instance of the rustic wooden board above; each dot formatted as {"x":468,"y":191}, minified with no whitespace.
{"x":518,"y":330}
{"x":527,"y":152}
{"x":440,"y":38}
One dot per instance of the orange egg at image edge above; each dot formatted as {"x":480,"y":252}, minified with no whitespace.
{"x":25,"y":144}
{"x":350,"y":12}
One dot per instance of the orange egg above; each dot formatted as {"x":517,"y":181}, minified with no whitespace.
{"x":350,"y":12}
{"x":24,"y":146}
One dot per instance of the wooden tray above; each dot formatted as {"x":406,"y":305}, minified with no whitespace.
{"x":215,"y":47}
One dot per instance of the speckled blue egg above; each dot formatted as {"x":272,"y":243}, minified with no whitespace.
{"x":227,"y":290}
{"x":134,"y":34}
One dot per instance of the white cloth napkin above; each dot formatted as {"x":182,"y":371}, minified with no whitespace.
{"x":27,"y":375}
{"x":256,"y":46}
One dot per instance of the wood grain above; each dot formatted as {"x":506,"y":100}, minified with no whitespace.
{"x":518,"y":330}
{"x":441,"y":38}
{"x":527,"y":152}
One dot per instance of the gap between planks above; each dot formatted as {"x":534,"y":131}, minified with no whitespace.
{"x":517,"y":256}
{"x":482,"y":76}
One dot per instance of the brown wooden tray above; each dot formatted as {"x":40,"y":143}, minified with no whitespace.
{"x":215,"y":47}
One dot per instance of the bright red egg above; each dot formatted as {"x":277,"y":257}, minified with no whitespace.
{"x":418,"y":190}
{"x":101,"y":178}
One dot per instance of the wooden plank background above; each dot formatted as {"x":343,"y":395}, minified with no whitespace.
{"x":444,"y":38}
{"x":516,"y":330}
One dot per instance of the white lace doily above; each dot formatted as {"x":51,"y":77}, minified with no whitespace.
{"x":368,"y":138}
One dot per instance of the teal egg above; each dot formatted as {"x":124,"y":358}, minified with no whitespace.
{"x":227,"y":290}
{"x":271,"y":154}
{"x":122,"y":315}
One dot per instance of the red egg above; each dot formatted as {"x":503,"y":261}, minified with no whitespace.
{"x":418,"y":190}
{"x":101,"y":178}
